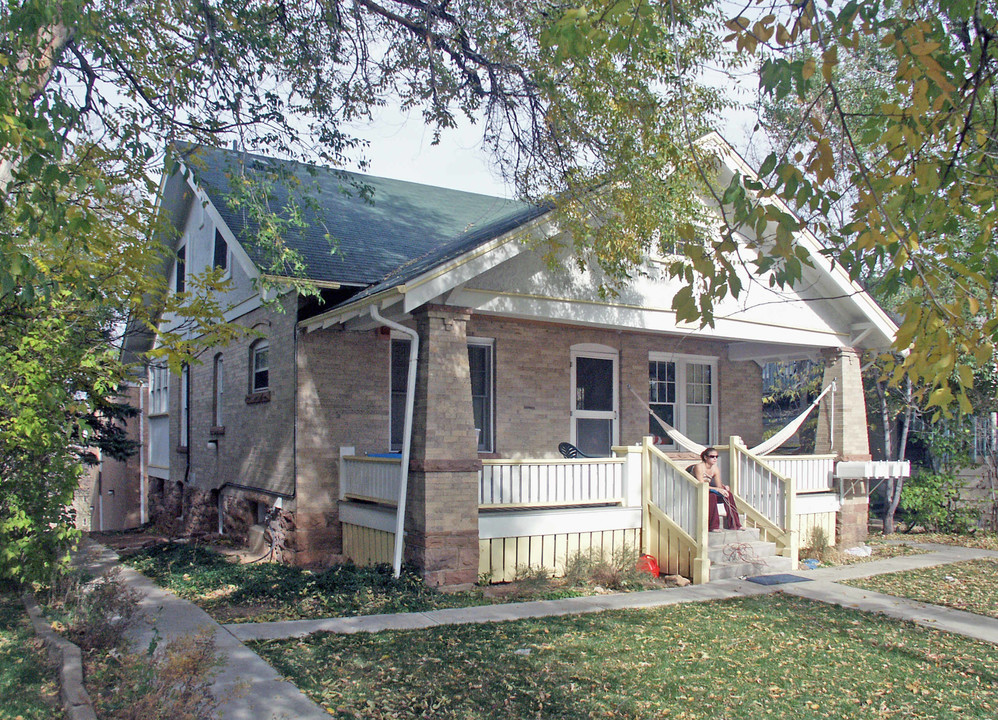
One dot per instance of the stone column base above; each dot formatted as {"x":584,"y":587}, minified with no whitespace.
{"x":853,"y":521}
{"x":446,"y":559}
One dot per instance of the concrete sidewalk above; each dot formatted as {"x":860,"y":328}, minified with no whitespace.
{"x":250,"y":689}
{"x":983,"y":628}
{"x":246,"y":686}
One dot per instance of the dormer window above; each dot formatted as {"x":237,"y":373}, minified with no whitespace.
{"x":180,"y":275}
{"x":221,"y":256}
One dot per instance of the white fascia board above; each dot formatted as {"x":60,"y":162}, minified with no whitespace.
{"x":607,"y":314}
{"x":341,"y":315}
{"x":238,"y":253}
{"x":514,"y":523}
{"x":815,"y":503}
{"x":473,"y":263}
{"x":830,"y":271}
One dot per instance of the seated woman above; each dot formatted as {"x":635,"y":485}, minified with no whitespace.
{"x":707,"y":471}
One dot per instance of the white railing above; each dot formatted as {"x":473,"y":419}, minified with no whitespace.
{"x":551,"y":482}
{"x":370,"y":478}
{"x":810,"y":473}
{"x":673,"y":491}
{"x":763,"y":488}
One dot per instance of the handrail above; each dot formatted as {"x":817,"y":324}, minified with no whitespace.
{"x":767,"y":496}
{"x":679,"y":501}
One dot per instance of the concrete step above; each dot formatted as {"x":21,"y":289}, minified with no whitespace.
{"x":718,"y":538}
{"x":741,"y":551}
{"x":764,"y":566}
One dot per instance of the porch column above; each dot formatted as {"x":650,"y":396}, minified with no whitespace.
{"x":846,"y":434}
{"x":442,"y":510}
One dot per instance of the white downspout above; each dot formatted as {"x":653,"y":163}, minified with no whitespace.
{"x":143,"y":476}
{"x":410,"y":400}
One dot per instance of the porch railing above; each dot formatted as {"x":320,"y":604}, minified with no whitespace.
{"x":551,"y":482}
{"x":675,"y":515}
{"x":811,"y":473}
{"x":767,"y":497}
{"x":375,"y":479}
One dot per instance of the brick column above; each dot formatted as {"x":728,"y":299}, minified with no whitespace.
{"x":442,"y":506}
{"x":849,"y":437}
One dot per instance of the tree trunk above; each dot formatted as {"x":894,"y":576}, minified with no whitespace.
{"x":895,"y":485}
{"x":36,"y":70}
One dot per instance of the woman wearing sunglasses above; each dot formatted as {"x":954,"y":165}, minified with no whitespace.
{"x":708,"y":471}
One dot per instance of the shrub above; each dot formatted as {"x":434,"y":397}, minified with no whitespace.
{"x":96,"y":613}
{"x":817,"y":543}
{"x":169,"y":685}
{"x":614,"y":571}
{"x":932,"y":500}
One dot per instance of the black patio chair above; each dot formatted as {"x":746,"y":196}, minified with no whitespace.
{"x":570,"y":451}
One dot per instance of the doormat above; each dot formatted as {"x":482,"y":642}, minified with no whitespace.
{"x":778,"y":579}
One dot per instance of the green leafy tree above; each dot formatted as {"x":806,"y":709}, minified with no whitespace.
{"x":915,"y":156}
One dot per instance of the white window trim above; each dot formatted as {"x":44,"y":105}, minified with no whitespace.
{"x":228,"y":252}
{"x":159,"y":390}
{"x":491,"y":344}
{"x":593,"y":350}
{"x":185,"y":246}
{"x":682,"y":361}
{"x":254,"y":349}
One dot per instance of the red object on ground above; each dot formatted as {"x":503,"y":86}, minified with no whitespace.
{"x":648,"y":564}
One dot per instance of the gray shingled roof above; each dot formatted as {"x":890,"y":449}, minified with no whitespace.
{"x":402,"y":230}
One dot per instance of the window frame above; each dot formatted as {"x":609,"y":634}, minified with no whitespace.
{"x":682,"y":403}
{"x":486,"y":440}
{"x":227,"y":266}
{"x":254,"y":350}
{"x":159,"y":390}
{"x":180,"y":269}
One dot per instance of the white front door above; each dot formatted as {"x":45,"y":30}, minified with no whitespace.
{"x":594,"y":399}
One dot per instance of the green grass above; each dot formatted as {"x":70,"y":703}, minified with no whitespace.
{"x":969,"y":586}
{"x":231,"y":592}
{"x":745,"y":659}
{"x":27,"y":683}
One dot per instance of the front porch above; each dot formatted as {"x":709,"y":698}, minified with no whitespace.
{"x":538,"y":513}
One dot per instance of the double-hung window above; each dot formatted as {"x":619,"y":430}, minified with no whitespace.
{"x":682,"y":390}
{"x":259,"y":366}
{"x":180,"y":270}
{"x":482,"y":366}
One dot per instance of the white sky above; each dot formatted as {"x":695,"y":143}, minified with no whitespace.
{"x":401,"y":147}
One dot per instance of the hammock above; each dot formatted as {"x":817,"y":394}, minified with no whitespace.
{"x":764,"y":448}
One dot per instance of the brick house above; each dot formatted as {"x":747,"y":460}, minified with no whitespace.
{"x":445,"y":362}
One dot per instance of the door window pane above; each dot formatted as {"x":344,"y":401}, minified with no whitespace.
{"x":593,"y":384}
{"x":593,"y":436}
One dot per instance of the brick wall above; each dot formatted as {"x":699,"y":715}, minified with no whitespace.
{"x":343,"y":399}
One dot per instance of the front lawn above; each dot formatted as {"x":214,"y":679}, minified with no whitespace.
{"x":744,"y":659}
{"x":28,"y":684}
{"x":969,"y":586}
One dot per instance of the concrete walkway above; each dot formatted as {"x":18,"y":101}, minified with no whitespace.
{"x":250,"y":689}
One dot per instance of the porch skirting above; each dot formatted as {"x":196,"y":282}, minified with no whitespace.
{"x":501,"y":557}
